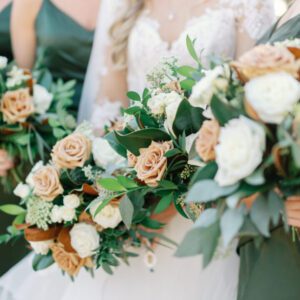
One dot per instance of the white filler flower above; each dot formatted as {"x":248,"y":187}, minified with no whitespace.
{"x":41,"y":247}
{"x":240,"y":150}
{"x":273,"y":96}
{"x":84,"y":239}
{"x":22,"y":190}
{"x":71,"y":201}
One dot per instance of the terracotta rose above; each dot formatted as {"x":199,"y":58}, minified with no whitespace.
{"x":16,"y":106}
{"x":72,"y":151}
{"x":151,"y":164}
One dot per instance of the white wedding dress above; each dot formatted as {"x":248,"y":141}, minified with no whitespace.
{"x":216,"y":33}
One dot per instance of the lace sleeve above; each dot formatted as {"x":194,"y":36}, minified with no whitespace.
{"x":99,"y":102}
{"x":253,"y":17}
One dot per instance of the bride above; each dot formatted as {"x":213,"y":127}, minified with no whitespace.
{"x":130,"y":40}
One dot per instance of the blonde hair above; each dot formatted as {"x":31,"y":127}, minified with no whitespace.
{"x":120,"y":32}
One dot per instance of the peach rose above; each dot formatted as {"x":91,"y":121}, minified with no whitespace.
{"x":16,"y":106}
{"x":132,"y":159}
{"x":72,"y":151}
{"x":46,"y":183}
{"x":6,"y":163}
{"x":69,"y":262}
{"x":265,"y":59}
{"x":207,"y":140}
{"x":151,"y":164}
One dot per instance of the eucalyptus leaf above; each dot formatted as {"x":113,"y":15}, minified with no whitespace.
{"x":41,"y":262}
{"x":208,"y":190}
{"x":276,"y":207}
{"x":207,"y":218}
{"x":126,"y":210}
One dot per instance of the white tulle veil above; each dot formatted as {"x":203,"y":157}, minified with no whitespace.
{"x":107,"y":13}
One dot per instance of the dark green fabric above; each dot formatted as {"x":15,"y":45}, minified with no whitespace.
{"x":272,"y":271}
{"x":5,"y":42}
{"x":11,"y":253}
{"x":289,"y":30}
{"x":66,"y":45}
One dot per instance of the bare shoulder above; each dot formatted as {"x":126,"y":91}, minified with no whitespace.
{"x":31,"y":7}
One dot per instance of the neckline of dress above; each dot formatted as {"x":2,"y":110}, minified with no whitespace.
{"x":70,"y":18}
{"x":5,"y":8}
{"x":156,"y":25}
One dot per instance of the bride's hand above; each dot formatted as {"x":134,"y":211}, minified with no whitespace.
{"x":292,"y":206}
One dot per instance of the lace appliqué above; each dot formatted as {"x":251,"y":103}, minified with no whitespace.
{"x":105,"y":113}
{"x":253,"y":16}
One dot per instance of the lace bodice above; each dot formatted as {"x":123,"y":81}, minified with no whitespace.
{"x":215,"y":33}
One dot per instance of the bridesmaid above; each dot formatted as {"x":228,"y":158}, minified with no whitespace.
{"x":63,"y":30}
{"x":9,"y":256}
{"x":272,"y":271}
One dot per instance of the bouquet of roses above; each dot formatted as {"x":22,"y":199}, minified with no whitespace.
{"x":249,"y":147}
{"x":82,"y":209}
{"x":32,"y":117}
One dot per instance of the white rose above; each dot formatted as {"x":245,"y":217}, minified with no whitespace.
{"x":161,"y":101}
{"x":41,"y":247}
{"x":36,"y":167}
{"x":273,"y":96}
{"x":3,"y":62}
{"x":22,"y":190}
{"x":68,"y":214}
{"x":108,"y":217}
{"x":104,"y":155}
{"x":71,"y":201}
{"x":42,"y":99}
{"x":213,"y":81}
{"x":240,"y":150}
{"x":171,"y":111}
{"x":84,"y":239}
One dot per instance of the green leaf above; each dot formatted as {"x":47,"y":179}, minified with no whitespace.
{"x":12,"y":209}
{"x":260,"y":215}
{"x":111,"y":138}
{"x":231,"y":222}
{"x":187,"y":84}
{"x":126,"y":209}
{"x":106,"y":267}
{"x":296,"y":154}
{"x":208,"y":190}
{"x":164,"y":203}
{"x":276,"y":207}
{"x":128,"y":183}
{"x":186,"y":71}
{"x":172,"y":152}
{"x":207,"y":172}
{"x":207,"y":218}
{"x":223,"y":112}
{"x":41,"y":262}
{"x":111,"y":184}
{"x":200,"y":240}
{"x":191,"y":49}
{"x":133,"y":96}
{"x":188,"y":119}
{"x":152,"y":224}
{"x":134,"y":141}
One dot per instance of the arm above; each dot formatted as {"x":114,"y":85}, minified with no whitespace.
{"x":23,"y":33}
{"x":253,"y":19}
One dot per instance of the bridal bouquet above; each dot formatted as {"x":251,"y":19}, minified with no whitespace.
{"x":249,"y":147}
{"x":82,"y":209}
{"x":32,"y":117}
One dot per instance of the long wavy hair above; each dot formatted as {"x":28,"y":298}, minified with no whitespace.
{"x":120,"y":31}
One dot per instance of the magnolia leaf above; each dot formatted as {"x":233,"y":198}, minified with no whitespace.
{"x":12,"y":209}
{"x":209,"y":190}
{"x":231,"y":222}
{"x":164,"y":203}
{"x":207,"y":172}
{"x":126,"y":210}
{"x":134,"y":96}
{"x":260,"y":215}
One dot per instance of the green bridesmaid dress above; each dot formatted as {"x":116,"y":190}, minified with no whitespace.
{"x":272,"y":271}
{"x":9,"y":255}
{"x":5,"y":42}
{"x":65,"y":44}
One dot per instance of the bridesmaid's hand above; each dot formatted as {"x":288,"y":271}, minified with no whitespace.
{"x":292,"y":206}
